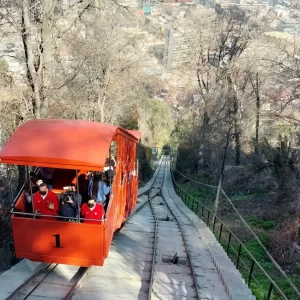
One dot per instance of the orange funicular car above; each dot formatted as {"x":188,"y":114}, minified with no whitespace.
{"x":72,"y":148}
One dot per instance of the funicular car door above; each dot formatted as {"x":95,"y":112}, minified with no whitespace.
{"x":112,"y":210}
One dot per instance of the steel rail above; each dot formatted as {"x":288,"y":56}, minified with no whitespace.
{"x":155,"y":237}
{"x":155,"y":242}
{"x":82,"y":272}
{"x":184,"y":242}
{"x":40,"y":272}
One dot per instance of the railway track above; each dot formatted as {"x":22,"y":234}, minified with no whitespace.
{"x":53,"y":281}
{"x":172,"y":273}
{"x":57,"y":281}
{"x":156,"y":255}
{"x":149,"y":259}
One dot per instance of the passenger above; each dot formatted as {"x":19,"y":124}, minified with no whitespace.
{"x":109,"y":173}
{"x":92,"y":210}
{"x":45,"y":202}
{"x":47,"y":176}
{"x":103,"y":189}
{"x":90,"y":178}
{"x":69,"y":203}
{"x":109,"y":169}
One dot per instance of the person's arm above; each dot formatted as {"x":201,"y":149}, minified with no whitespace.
{"x":54,"y":200}
{"x":101,"y":211}
{"x":73,"y":202}
{"x":99,"y":192}
{"x":36,"y":204}
{"x":106,"y":189}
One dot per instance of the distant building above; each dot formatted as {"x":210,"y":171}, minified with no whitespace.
{"x":281,"y":12}
{"x":291,"y":26}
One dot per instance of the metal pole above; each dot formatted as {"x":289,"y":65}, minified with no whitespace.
{"x":9,"y":183}
{"x":251,"y":271}
{"x":77,"y":187}
{"x":270,"y":291}
{"x":229,"y":239}
{"x":31,"y":194}
{"x":214,"y":224}
{"x":239,"y":254}
{"x":222,"y":171}
{"x":208,"y":215}
{"x":220,"y":234}
{"x":110,"y":165}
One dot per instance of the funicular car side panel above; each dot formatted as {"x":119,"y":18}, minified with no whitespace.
{"x":59,"y":241}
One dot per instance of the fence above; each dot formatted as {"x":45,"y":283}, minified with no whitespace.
{"x":257,"y":278}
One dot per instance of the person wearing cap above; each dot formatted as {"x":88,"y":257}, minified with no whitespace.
{"x":45,"y":202}
{"x":70,"y":203}
{"x":92,"y":210}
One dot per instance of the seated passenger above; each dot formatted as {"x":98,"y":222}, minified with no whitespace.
{"x":92,"y":210}
{"x":45,"y":202}
{"x":69,"y":203}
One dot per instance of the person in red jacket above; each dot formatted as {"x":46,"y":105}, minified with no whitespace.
{"x":92,"y":210}
{"x":45,"y":202}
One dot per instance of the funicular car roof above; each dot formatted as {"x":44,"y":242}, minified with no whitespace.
{"x":67,"y":144}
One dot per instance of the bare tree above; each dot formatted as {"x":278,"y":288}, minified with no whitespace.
{"x":109,"y":60}
{"x":38,"y":26}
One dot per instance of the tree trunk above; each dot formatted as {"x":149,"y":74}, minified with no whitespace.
{"x":237,"y":143}
{"x":237,"y":118}
{"x":202,"y":162}
{"x":33,"y":75}
{"x":46,"y":45}
{"x":101,"y":104}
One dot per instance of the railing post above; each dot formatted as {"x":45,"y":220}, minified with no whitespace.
{"x":197,"y":208}
{"x":214,"y":224}
{"x":202,"y":211}
{"x":208,"y":215}
{"x":238,"y":258}
{"x":270,"y":291}
{"x":229,"y":239}
{"x":251,"y":271}
{"x":193,"y":203}
{"x":220,"y":234}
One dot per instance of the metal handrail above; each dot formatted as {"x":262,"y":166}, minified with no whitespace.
{"x":272,"y":283}
{"x":57,"y":217}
